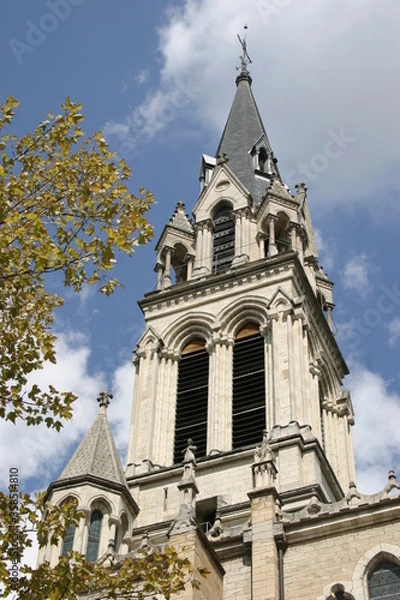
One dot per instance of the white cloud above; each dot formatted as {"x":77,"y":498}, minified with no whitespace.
{"x":394,"y":331}
{"x":37,"y":451}
{"x":119,"y":413}
{"x":142,"y":76}
{"x":40,"y":454}
{"x":326,"y":250}
{"x":355,"y":275}
{"x":318,"y":68}
{"x":376,"y":432}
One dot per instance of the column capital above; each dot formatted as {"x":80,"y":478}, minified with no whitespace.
{"x":168,"y":250}
{"x":189,"y":257}
{"x":168,"y":353}
{"x":201,"y":225}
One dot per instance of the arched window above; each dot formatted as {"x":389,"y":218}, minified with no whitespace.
{"x":92,"y":550}
{"x":68,"y":541}
{"x":384,"y":581}
{"x":223,"y":239}
{"x":192,"y":399}
{"x":262,"y":159}
{"x":248,"y":409}
{"x":178,"y":263}
{"x":281,"y":232}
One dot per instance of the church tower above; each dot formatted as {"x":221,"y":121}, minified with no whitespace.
{"x":240,"y":450}
{"x":238,"y":346}
{"x":238,"y":361}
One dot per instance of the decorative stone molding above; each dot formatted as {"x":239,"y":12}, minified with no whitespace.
{"x":353,"y":500}
{"x":217,"y":529}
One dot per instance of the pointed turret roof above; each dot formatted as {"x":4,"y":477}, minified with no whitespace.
{"x":97,"y":455}
{"x":244,"y":133}
{"x":179,"y":219}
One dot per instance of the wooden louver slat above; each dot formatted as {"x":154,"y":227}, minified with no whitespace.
{"x":248,"y":418}
{"x":192,"y":403}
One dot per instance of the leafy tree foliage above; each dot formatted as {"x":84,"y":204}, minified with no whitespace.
{"x":141,"y":576}
{"x":64,"y":208}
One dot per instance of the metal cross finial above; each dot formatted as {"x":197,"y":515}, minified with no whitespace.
{"x":245,"y":58}
{"x":104,"y":398}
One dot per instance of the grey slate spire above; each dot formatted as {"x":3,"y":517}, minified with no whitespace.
{"x":97,"y":455}
{"x":245,"y":143}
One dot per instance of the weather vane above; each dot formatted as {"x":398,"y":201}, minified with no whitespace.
{"x":245,"y":58}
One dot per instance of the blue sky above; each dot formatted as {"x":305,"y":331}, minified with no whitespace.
{"x":158,"y":78}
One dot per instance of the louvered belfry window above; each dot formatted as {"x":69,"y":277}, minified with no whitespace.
{"x":223,"y":239}
{"x":249,"y":415}
{"x":192,"y":400}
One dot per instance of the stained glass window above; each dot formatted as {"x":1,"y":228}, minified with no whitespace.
{"x":68,"y":540}
{"x":92,"y":550}
{"x":384,"y":582}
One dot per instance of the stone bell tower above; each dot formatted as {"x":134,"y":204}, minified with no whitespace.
{"x":240,"y":452}
{"x":238,"y":360}
{"x":238,"y":335}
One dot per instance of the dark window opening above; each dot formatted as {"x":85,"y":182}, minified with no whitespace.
{"x":223,"y":240}
{"x":249,"y":414}
{"x":281,"y":233}
{"x":92,"y":550}
{"x":266,"y":247}
{"x":262,"y":159}
{"x":192,"y":400}
{"x":68,"y":540}
{"x":205,"y":513}
{"x":179,"y":264}
{"x":384,"y":582}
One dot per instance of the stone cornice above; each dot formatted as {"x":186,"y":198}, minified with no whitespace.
{"x":341,"y":521}
{"x":102,"y":484}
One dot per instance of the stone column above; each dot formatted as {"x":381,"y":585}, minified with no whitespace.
{"x":167,"y":272}
{"x":154,"y":362}
{"x":159,"y":270}
{"x":241,"y":255}
{"x":291,"y":378}
{"x":113,"y":523}
{"x":80,"y":542}
{"x":203,"y":255}
{"x":133,"y":448}
{"x":274,"y":361}
{"x":329,"y":308}
{"x":272,"y":249}
{"x":166,"y":407}
{"x":266,"y":332}
{"x":219,"y":431}
{"x":207,"y":245}
{"x":237,"y":219}
{"x":260,"y":239}
{"x":190,"y":262}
